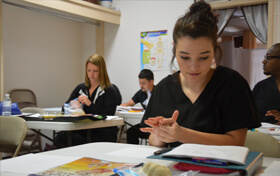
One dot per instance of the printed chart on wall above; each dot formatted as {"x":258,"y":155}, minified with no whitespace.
{"x":154,"y":50}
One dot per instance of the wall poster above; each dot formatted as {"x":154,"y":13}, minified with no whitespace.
{"x":154,"y":50}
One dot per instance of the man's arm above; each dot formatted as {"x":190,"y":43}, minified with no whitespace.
{"x":129,"y":103}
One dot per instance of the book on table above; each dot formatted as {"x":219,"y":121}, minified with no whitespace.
{"x":232,"y":154}
{"x":238,"y":158}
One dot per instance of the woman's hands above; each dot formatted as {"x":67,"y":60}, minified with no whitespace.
{"x":163,"y":129}
{"x":84,"y":100}
{"x":167,"y":130}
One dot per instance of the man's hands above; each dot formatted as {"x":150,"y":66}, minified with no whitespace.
{"x":275,"y":114}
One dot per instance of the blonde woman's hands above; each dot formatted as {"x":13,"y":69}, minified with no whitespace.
{"x":84,"y":100}
{"x":75,"y":104}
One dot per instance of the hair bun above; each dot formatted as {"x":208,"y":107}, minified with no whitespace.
{"x":201,"y":11}
{"x":200,"y":6}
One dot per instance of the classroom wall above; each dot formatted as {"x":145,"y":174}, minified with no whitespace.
{"x":44,"y":53}
{"x":47,"y":53}
{"x":276,"y":21}
{"x":122,"y":43}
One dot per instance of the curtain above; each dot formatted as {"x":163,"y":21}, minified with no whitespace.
{"x":256,"y":17}
{"x":246,"y":61}
{"x":224,"y":17}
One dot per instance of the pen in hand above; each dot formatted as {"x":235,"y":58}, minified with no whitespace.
{"x":158,"y":152}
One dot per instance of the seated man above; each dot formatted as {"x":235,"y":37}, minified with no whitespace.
{"x":146,"y":81}
{"x":266,"y":92}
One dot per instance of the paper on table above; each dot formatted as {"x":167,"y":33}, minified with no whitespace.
{"x":272,"y":170}
{"x":133,"y":152}
{"x":33,"y":163}
{"x":36,"y":115}
{"x":269,"y":125}
{"x":123,"y":108}
{"x":129,"y":108}
{"x":112,"y":117}
{"x":274,"y":133}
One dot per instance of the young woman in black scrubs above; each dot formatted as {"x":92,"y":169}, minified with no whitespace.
{"x":203,"y":103}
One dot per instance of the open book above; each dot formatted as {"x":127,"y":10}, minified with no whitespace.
{"x":233,"y":154}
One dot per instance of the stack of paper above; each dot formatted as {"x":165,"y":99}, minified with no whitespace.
{"x":129,"y":108}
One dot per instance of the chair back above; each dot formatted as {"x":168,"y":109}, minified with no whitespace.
{"x":32,"y":140}
{"x":24,"y":97}
{"x":262,"y":142}
{"x":12,"y":133}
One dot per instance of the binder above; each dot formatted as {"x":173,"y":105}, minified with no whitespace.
{"x":65,"y":118}
{"x":252,"y":165}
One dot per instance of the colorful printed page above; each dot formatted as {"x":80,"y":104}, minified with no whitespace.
{"x":86,"y":166}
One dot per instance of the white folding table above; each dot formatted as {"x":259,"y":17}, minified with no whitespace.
{"x":114,"y":152}
{"x":72,"y":126}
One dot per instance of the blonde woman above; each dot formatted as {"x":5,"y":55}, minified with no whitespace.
{"x":97,"y":96}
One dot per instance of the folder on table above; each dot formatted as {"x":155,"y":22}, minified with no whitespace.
{"x":252,"y":165}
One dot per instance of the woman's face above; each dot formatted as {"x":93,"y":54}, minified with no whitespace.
{"x":93,"y":73}
{"x":194,"y":57}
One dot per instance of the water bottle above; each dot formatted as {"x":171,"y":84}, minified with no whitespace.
{"x":7,"y":102}
{"x":67,"y":109}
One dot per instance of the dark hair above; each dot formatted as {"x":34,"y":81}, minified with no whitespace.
{"x":198,"y":22}
{"x":274,"y":49}
{"x":146,"y":74}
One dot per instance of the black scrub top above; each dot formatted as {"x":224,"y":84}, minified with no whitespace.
{"x":226,"y":104}
{"x":267,"y":97}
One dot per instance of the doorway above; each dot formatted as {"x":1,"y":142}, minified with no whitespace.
{"x":242,"y":51}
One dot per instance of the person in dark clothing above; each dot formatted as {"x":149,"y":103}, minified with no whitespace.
{"x":267,"y":92}
{"x":146,"y":82}
{"x":97,"y":96}
{"x":118,"y":94}
{"x":203,"y":103}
